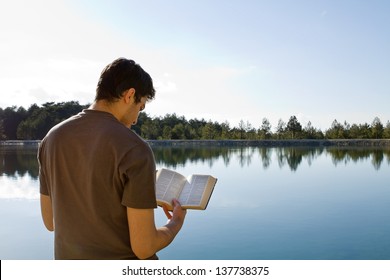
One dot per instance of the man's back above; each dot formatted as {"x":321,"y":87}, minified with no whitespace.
{"x":92,"y":166}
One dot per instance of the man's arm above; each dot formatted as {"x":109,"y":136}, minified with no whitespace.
{"x":47,"y":212}
{"x":145,"y":238}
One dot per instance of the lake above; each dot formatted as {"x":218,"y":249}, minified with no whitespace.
{"x":269,"y":203}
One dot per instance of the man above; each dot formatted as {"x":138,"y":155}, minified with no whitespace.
{"x":97,"y":177}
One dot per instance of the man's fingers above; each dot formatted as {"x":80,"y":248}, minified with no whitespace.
{"x":166,"y":211}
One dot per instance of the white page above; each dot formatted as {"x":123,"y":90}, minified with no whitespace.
{"x":169,"y":185}
{"x":193,"y":190}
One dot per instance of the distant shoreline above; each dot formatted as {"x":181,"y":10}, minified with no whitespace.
{"x":244,"y":143}
{"x":20,"y":142}
{"x":276,"y":143}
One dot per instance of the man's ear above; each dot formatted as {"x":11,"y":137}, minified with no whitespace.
{"x":129,"y":95}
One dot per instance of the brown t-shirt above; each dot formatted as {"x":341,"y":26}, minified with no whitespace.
{"x":93,"y":167}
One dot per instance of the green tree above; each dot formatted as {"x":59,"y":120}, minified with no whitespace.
{"x":196,"y":128}
{"x":12,"y":117}
{"x":365,"y":131}
{"x":309,"y":131}
{"x":336,"y":131}
{"x":294,"y":127}
{"x":167,"y":133}
{"x":39,"y":120}
{"x":345,"y":130}
{"x":2,"y":135}
{"x":386,"y":131}
{"x":242,"y":129}
{"x":225,"y":130}
{"x":149,"y":129}
{"x":377,"y":128}
{"x":265,"y":129}
{"x":250,"y":131}
{"x":208,"y":131}
{"x":354,"y":131}
{"x":280,"y":129}
{"x":178,"y":131}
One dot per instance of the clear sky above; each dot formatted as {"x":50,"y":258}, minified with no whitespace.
{"x":218,"y":60}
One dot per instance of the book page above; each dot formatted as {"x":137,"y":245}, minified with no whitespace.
{"x":193,"y":190}
{"x":169,"y":185}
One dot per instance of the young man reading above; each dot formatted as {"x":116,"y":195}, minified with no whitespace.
{"x":97,"y":177}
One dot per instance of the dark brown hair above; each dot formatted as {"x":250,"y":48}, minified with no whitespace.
{"x":121,"y":75}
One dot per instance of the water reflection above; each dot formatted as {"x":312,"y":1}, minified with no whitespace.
{"x":22,"y":187}
{"x":288,"y":156}
{"x":335,"y":220}
{"x":21,"y":162}
{"x":180,"y":156}
{"x":18,"y":161}
{"x":18,"y":172}
{"x":377,"y":156}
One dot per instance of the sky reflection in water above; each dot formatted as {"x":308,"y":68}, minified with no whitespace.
{"x":269,"y":203}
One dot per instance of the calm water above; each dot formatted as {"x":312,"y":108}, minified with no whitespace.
{"x":269,"y":203}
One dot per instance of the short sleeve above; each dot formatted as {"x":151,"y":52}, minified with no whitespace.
{"x":139,"y":173}
{"x":43,"y":186}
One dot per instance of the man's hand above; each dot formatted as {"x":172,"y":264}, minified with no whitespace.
{"x":177,"y":215}
{"x":145,"y":238}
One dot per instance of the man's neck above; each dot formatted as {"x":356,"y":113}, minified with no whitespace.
{"x":104,"y":106}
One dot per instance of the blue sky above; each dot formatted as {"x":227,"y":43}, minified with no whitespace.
{"x":217,"y":60}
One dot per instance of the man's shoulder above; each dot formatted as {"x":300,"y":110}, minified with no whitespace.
{"x":62,"y":125}
{"x":136,"y":141}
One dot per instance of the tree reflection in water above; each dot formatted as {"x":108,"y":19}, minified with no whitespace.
{"x":18,"y":161}
{"x":290,"y":156}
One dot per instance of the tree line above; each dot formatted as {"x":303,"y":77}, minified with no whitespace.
{"x":18,"y":123}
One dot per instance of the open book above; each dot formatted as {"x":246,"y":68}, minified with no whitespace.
{"x":193,"y":192}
